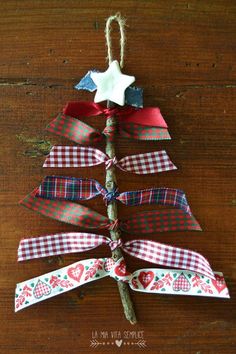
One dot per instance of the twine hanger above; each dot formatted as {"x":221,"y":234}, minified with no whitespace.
{"x":121,"y":22}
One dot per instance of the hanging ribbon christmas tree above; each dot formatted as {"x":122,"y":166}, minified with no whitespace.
{"x":186,"y":272}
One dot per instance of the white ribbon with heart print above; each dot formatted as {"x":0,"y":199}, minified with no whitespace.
{"x":150,"y":280}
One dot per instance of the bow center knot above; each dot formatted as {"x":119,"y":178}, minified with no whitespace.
{"x":110,"y":196}
{"x":115,"y":244}
{"x":111,"y":162}
{"x":109,"y":112}
{"x":113,"y":225}
{"x":110,"y":131}
{"x":118,"y":270}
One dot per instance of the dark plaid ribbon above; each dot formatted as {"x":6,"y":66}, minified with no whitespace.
{"x":81,"y":133}
{"x":78,"y":156}
{"x":75,"y":189}
{"x":143,"y":222}
{"x":147,"y":250}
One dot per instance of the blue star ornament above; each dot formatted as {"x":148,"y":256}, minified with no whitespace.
{"x":111,"y":84}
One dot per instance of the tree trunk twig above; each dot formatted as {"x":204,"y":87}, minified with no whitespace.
{"x":112,"y":215}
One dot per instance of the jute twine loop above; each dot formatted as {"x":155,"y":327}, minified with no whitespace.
{"x":121,"y":22}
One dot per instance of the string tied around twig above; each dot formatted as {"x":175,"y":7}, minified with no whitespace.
{"x":110,"y":196}
{"x":121,"y":22}
{"x":113,"y":225}
{"x":110,"y":131}
{"x":111,"y":162}
{"x":115,"y":244}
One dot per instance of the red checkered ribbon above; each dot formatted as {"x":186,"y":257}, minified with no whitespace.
{"x":67,"y":212}
{"x":143,"y":222}
{"x":81,"y":133}
{"x":78,"y":156}
{"x":150,"y":251}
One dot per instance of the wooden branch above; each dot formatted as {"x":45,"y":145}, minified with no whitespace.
{"x":111,"y":183}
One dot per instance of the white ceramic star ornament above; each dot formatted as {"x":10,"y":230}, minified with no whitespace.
{"x":111,"y":84}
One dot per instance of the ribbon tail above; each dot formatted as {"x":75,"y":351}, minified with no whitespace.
{"x":134,"y":96}
{"x":141,"y":132}
{"x":74,"y":156}
{"x":84,"y":109}
{"x":149,"y":116}
{"x":151,"y":162}
{"x":160,"y":221}
{"x":59,"y":281}
{"x":57,"y":244}
{"x":168,"y":256}
{"x":86,"y":83}
{"x":69,"y":188}
{"x":178,"y":282}
{"x":64,"y":211}
{"x":161,"y":196}
{"x":74,"y":129}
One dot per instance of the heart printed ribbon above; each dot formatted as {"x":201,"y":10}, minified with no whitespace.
{"x":142,"y":222}
{"x":82,"y":133}
{"x":147,"y":250}
{"x":156,"y":281}
{"x":79,"y":156}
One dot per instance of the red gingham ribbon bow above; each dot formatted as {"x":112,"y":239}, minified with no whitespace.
{"x":78,"y":156}
{"x":150,"y":251}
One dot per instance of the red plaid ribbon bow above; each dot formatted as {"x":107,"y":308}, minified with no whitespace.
{"x":78,"y":156}
{"x":150,"y":251}
{"x":177,"y":219}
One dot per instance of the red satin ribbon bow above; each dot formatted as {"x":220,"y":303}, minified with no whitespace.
{"x":150,"y":116}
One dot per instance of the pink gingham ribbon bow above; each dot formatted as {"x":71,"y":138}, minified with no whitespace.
{"x":78,"y":156}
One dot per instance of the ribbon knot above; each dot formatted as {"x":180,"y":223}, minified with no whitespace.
{"x":115,"y":244}
{"x":110,"y":196}
{"x":113,"y":225}
{"x":118,"y":270}
{"x":110,"y":131}
{"x":111,"y":162}
{"x":109,"y":112}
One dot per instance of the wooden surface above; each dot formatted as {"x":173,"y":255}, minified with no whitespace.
{"x":183,"y":54}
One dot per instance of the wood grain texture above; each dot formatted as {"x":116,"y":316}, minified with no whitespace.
{"x":183,"y":54}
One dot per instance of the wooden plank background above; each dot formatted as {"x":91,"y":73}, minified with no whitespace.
{"x":183,"y":54}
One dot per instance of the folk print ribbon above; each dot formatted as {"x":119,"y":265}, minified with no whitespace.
{"x":81,"y":133}
{"x":150,"y":280}
{"x":142,"y":222}
{"x":79,"y":156}
{"x":150,"y":251}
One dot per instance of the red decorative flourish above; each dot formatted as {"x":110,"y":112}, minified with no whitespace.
{"x":26,"y":292}
{"x":55,"y":281}
{"x":166,"y":280}
{"x":197,"y":281}
{"x":93,"y":270}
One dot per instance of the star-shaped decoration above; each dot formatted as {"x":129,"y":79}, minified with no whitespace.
{"x":111,"y":84}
